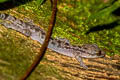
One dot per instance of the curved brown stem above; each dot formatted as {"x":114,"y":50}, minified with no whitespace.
{"x":45,"y":44}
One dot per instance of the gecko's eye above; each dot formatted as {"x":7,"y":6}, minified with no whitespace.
{"x":99,"y":53}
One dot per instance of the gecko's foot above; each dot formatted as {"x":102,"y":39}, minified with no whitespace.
{"x":84,"y":66}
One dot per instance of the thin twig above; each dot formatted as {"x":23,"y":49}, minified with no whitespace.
{"x":45,"y":44}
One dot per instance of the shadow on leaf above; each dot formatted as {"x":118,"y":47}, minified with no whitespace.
{"x":102,"y":27}
{"x":116,"y":12}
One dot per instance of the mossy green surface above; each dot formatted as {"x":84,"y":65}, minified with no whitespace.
{"x":77,"y":21}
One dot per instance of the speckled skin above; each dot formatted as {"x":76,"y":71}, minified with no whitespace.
{"x":59,"y":45}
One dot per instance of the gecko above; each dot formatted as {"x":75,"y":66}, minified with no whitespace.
{"x":59,"y":45}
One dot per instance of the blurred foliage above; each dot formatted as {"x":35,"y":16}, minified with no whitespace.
{"x":1,"y":1}
{"x":105,"y":11}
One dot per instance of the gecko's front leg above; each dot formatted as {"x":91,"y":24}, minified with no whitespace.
{"x":81,"y":62}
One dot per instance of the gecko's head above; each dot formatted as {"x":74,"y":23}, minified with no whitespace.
{"x":92,"y":51}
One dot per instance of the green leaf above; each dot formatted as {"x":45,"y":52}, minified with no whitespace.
{"x":1,"y":1}
{"x":107,"y":11}
{"x":40,"y":2}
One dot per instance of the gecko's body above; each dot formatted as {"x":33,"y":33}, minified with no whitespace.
{"x":60,"y":45}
